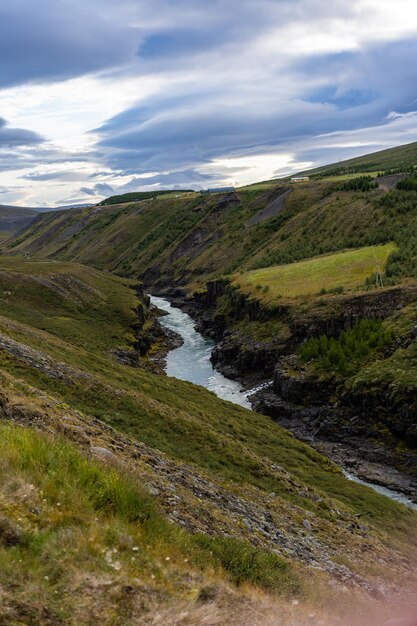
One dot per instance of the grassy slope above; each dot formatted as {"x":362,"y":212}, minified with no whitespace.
{"x":81,"y":543}
{"x":77,"y":316}
{"x":192,"y":239}
{"x":394,"y":375}
{"x":348,"y":270}
{"x":72,"y":302}
{"x":371,"y":164}
{"x":175,"y":241}
{"x":323,"y":222}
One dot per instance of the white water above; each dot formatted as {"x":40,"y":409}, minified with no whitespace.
{"x":192,"y":362}
{"x":394,"y":495}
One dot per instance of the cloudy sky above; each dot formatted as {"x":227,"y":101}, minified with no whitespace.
{"x":107,"y":96}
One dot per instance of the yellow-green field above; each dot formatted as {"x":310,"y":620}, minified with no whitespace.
{"x":351,"y":176}
{"x":344,"y":269}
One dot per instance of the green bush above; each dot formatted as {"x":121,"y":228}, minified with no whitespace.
{"x":334,"y":290}
{"x":408,"y":184}
{"x":342,"y":354}
{"x":362,"y":183}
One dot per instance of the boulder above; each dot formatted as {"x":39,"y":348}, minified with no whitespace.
{"x":103,"y":454}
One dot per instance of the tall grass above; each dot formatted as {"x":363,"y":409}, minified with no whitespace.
{"x":84,"y":494}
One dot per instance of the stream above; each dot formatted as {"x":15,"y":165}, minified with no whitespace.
{"x":191,"y":362}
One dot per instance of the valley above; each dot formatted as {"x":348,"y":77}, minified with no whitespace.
{"x":188,"y":500}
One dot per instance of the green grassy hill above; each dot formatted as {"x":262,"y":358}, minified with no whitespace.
{"x":187,"y":241}
{"x":276,"y":241}
{"x":82,"y":543}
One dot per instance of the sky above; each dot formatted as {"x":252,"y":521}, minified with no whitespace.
{"x":109,"y":96}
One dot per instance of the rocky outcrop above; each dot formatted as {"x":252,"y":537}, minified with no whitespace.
{"x":237,"y":356}
{"x":395,"y":411}
{"x":275,"y":206}
{"x":240,"y":355}
{"x":194,"y":244}
{"x":329,"y":315}
{"x":348,"y":438}
{"x":149,"y":334}
{"x":295,"y":384}
{"x":332,"y":315}
{"x":239,"y":306}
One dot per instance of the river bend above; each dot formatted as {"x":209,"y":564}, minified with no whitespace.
{"x":191,"y":362}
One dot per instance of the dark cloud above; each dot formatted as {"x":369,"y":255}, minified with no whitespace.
{"x":195,"y":135}
{"x":328,"y":93}
{"x":179,"y":42}
{"x":184,"y":177}
{"x":32,"y":156}
{"x":190,"y":179}
{"x":378,"y":78}
{"x":46,"y":40}
{"x":100,"y":189}
{"x":55,"y":40}
{"x":13,"y":137}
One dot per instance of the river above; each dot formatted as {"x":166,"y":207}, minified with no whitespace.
{"x":191,"y":362}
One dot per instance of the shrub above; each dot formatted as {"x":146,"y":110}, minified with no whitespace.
{"x":408,"y":184}
{"x":336,"y":290}
{"x":362,"y":183}
{"x":342,"y":354}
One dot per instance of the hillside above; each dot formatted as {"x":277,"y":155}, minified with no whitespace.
{"x":283,"y":269}
{"x":92,"y":547}
{"x":326,"y":274}
{"x":398,"y":158}
{"x":212,"y":468}
{"x":187,"y":241}
{"x":14,"y":219}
